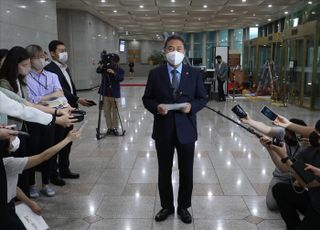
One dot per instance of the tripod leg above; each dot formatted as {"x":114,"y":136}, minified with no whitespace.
{"x":121,"y":125}
{"x":98,"y":133}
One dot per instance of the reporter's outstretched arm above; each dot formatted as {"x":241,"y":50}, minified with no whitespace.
{"x":48,"y":153}
{"x":260,"y":126}
{"x":285,"y":123}
{"x":274,"y":156}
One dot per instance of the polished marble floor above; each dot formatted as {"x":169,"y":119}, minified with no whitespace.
{"x":117,"y":189}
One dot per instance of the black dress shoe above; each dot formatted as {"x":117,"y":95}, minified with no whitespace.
{"x":70,"y":175}
{"x":185,"y":215}
{"x":163,"y":214}
{"x":57,"y":181}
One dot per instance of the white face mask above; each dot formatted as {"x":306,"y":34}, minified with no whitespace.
{"x":14,"y":145}
{"x":38,"y":64}
{"x":63,"y":57}
{"x":175,"y":57}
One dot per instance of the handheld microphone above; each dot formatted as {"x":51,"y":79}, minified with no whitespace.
{"x":250,"y":130}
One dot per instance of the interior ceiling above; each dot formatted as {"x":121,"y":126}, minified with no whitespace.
{"x":167,"y":16}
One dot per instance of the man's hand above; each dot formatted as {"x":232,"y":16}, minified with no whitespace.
{"x":35,"y":208}
{"x":314,"y":169}
{"x":65,"y":120}
{"x":246,"y":120}
{"x":281,"y":121}
{"x":162,"y":109}
{"x":84,"y":102}
{"x":111,"y":71}
{"x":265,"y":141}
{"x":6,"y":134}
{"x":65,"y":111}
{"x":186,"y":109}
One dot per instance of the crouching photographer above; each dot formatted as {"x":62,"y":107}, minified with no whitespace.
{"x":112,"y":75}
{"x":304,"y":194}
{"x":293,"y":146}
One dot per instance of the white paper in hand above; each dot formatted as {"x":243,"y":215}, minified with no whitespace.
{"x":30,"y":220}
{"x":177,"y":106}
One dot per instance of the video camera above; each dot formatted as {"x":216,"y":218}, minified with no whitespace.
{"x":108,"y":60}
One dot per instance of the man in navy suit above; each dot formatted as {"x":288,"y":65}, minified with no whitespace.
{"x":175,"y":83}
{"x":58,"y":65}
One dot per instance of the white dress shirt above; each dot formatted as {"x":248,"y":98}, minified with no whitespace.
{"x":65,"y":73}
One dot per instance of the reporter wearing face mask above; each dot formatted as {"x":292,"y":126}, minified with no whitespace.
{"x":42,"y":86}
{"x":175,"y":129}
{"x":59,"y":66}
{"x":307,"y":202}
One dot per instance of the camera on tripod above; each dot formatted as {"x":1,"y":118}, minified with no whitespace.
{"x":108,"y":60}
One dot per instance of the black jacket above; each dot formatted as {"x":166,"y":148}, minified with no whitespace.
{"x":159,"y":91}
{"x":72,"y":98}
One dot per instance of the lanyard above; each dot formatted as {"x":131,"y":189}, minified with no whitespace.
{"x":38,"y":81}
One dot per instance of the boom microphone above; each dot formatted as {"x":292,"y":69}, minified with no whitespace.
{"x":250,"y":130}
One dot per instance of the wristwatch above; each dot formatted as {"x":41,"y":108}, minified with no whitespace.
{"x":285,"y":159}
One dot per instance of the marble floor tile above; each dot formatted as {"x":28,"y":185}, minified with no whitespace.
{"x":257,"y":206}
{"x":127,"y":207}
{"x":219,"y":207}
{"x":122,"y":224}
{"x":223,"y":225}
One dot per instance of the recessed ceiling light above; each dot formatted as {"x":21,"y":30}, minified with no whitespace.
{"x":103,"y":1}
{"x":269,"y":5}
{"x":231,"y":11}
{"x":42,"y":1}
{"x":313,"y":12}
{"x":23,"y":6}
{"x":286,"y":12}
{"x":141,"y":6}
{"x":99,"y":35}
{"x":173,"y":11}
{"x":8,"y":11}
{"x":269,"y":19}
{"x":309,"y":2}
{"x":254,"y":15}
{"x":257,"y":25}
{"x":205,"y":6}
{"x":244,"y":0}
{"x":115,"y":11}
{"x":173,"y":0}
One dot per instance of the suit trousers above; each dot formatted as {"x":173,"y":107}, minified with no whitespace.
{"x":220,"y":89}
{"x":63,"y":163}
{"x":289,"y":202}
{"x":110,"y":112}
{"x":41,"y":138}
{"x":165,"y":154}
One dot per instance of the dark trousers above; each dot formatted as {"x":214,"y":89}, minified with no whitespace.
{"x":41,"y":138}
{"x":62,"y":163}
{"x":22,"y":151}
{"x":290,"y":202}
{"x":165,"y":153}
{"x":220,"y":90}
{"x":14,"y":223}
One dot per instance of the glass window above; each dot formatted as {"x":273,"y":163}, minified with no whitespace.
{"x":253,"y":32}
{"x":223,"y":38}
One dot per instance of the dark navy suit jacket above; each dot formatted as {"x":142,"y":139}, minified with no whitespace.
{"x":72,"y":98}
{"x":159,"y":91}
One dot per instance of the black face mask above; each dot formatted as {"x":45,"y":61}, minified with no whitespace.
{"x":314,"y":139}
{"x":290,"y":141}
